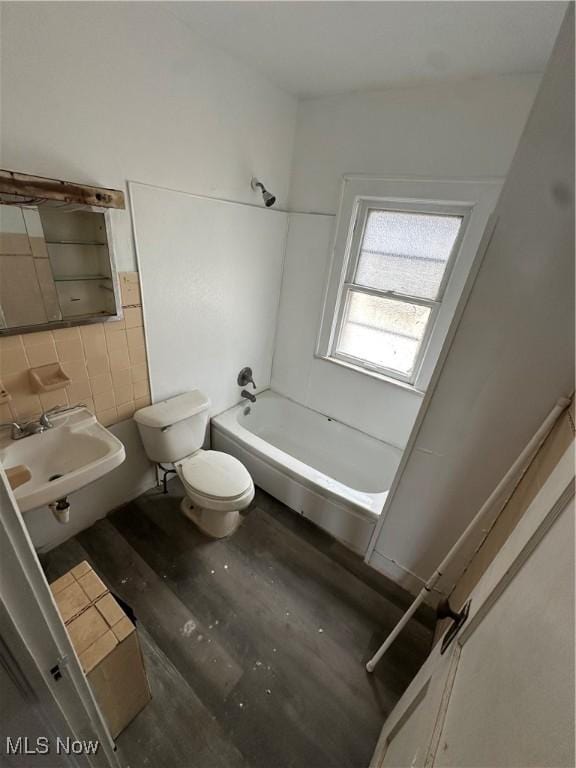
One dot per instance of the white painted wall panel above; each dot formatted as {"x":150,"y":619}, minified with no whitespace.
{"x":305,"y":270}
{"x":369,"y":404}
{"x":513,"y":353}
{"x":211,"y":274}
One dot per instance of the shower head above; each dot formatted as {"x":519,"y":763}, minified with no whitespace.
{"x":269,"y":198}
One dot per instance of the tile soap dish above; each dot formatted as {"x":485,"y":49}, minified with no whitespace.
{"x":47,"y":378}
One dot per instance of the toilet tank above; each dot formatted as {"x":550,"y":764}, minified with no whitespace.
{"x":175,"y":428}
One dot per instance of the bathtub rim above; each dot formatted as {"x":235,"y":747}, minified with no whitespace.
{"x":276,"y":392}
{"x":282,"y":460}
{"x":345,"y":523}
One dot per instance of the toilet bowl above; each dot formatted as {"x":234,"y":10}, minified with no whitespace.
{"x":218,"y":486}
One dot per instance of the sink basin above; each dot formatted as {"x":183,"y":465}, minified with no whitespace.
{"x":76,"y":451}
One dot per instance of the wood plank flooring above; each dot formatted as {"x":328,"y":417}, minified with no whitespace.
{"x":254,"y":645}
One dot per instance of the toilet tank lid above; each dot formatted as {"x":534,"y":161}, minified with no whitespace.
{"x":173,"y":410}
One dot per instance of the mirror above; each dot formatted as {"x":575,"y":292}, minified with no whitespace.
{"x":56,"y":268}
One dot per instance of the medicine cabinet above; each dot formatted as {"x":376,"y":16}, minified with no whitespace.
{"x":57,"y":263}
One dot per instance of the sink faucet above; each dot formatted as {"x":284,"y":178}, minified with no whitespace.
{"x":18,"y":431}
{"x":44,"y":419}
{"x":36,"y":426}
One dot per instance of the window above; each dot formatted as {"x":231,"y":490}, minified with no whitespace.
{"x":388,"y":302}
{"x":395,"y":285}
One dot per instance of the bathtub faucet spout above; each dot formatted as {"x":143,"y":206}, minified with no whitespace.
{"x":248,"y":395}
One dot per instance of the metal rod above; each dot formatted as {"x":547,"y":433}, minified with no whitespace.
{"x":515,"y":470}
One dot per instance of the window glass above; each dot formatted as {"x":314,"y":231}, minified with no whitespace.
{"x":384,"y":332}
{"x":406,"y":252}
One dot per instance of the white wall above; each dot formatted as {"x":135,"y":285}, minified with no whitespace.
{"x":513,"y":353}
{"x":457,"y":129}
{"x":212,"y":309}
{"x":463,"y":129}
{"x":105,"y":92}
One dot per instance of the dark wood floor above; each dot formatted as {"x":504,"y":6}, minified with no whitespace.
{"x":254,"y":645}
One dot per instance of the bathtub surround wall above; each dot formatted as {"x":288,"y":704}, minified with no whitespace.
{"x":451,"y":130}
{"x":213,"y":310}
{"x":512,"y":356}
{"x":363,"y":402}
{"x":105,"y":92}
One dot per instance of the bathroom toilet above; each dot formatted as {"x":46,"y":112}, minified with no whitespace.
{"x":218,"y":486}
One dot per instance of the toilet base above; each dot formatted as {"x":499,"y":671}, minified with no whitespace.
{"x":218,"y":525}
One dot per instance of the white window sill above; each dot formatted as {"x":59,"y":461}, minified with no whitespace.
{"x":372,"y":374}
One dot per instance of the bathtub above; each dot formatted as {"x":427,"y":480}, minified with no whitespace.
{"x":332,"y":474}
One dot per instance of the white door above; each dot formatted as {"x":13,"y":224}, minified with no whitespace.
{"x":44,"y":693}
{"x":502,"y":694}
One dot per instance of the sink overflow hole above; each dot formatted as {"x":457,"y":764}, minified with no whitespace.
{"x":53,"y":477}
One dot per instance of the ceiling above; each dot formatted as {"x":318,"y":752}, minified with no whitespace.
{"x":317,"y":48}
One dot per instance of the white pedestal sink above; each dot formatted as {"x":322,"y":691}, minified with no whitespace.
{"x":74,"y":452}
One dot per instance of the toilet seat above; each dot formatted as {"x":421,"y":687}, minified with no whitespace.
{"x":218,"y":487}
{"x":213,"y":475}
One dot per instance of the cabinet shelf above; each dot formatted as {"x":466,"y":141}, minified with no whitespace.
{"x":79,"y":278}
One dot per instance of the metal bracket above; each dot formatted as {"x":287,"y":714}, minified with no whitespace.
{"x":56,"y":670}
{"x":458,"y":619}
{"x":167,"y":471}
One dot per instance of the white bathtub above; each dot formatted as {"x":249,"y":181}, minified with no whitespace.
{"x":332,"y":474}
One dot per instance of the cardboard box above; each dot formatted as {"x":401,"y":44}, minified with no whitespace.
{"x":106,"y":643}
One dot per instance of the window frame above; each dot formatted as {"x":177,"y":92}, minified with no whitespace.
{"x":362,"y":210}
{"x":472,"y":200}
